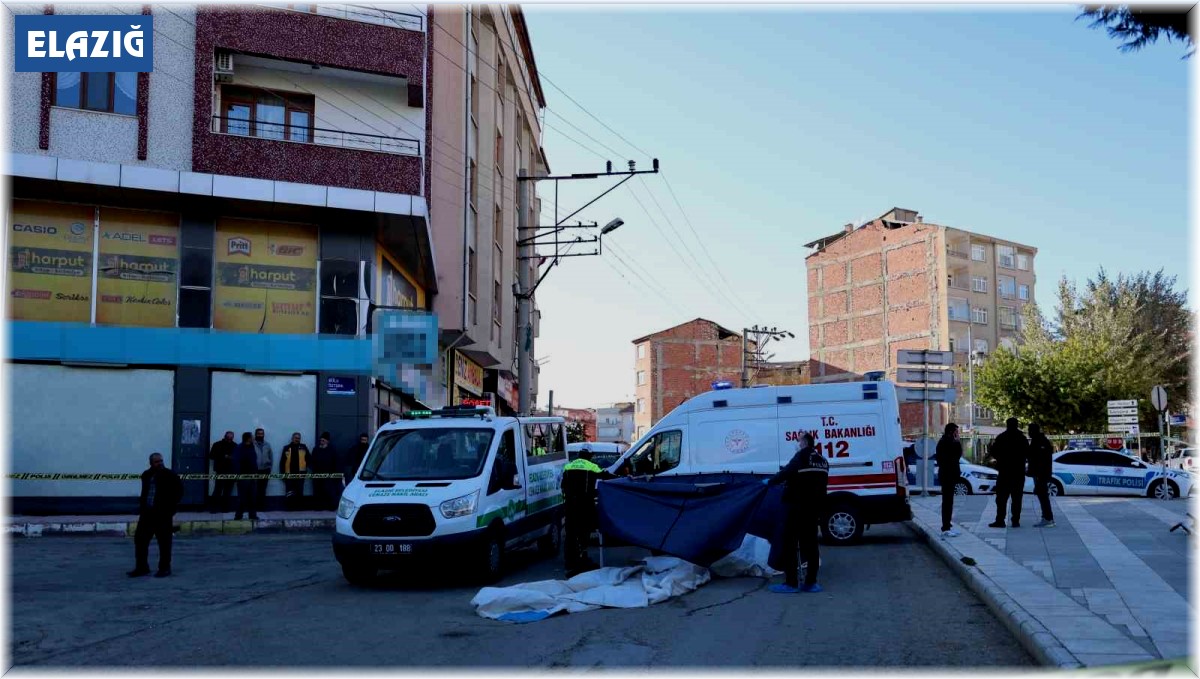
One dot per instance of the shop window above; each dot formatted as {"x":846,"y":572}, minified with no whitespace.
{"x":103,"y":92}
{"x":339,"y":297}
{"x":196,"y":275}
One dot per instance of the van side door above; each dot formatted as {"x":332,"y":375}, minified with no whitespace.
{"x":503,"y":494}
{"x":734,"y":440}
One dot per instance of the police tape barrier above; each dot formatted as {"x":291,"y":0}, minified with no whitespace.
{"x":185,"y":477}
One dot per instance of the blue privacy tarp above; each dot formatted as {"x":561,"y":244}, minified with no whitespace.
{"x":699,"y":518}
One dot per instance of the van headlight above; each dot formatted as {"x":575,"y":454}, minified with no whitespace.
{"x":460,"y":506}
{"x":345,"y":508}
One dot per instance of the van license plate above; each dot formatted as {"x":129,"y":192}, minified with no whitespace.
{"x":391,"y":548}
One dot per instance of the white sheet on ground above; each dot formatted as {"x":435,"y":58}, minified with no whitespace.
{"x":748,"y":560}
{"x":654,"y":580}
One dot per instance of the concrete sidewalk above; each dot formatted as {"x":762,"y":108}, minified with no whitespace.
{"x":1108,"y":585}
{"x":190,"y":523}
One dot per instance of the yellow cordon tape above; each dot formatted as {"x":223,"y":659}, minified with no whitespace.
{"x":185,"y":477}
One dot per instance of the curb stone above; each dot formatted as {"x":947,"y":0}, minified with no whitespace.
{"x":1032,"y":635}
{"x":192,"y":528}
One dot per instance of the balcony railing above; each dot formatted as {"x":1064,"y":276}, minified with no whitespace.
{"x":959,"y":316}
{"x":317,"y":136}
{"x":955,"y":252}
{"x":361,"y":13}
{"x":959,"y":285}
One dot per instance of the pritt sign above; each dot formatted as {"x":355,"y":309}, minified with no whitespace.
{"x":122,"y":43}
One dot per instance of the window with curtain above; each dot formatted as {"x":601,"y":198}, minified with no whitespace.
{"x":255,"y":112}
{"x":103,"y":92}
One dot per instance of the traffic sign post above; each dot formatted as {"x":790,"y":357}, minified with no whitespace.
{"x":926,"y":377}
{"x":1123,"y":417}
{"x":1158,"y":398}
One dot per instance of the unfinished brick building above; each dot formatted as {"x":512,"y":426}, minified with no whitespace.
{"x":676,"y":364}
{"x":899,"y":282}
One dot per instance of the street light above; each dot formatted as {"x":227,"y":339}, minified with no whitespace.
{"x":612,"y":226}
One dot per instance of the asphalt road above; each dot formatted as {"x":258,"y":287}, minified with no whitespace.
{"x":281,"y":601}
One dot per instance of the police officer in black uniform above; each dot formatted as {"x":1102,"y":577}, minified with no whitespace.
{"x":579,"y":493}
{"x":806,"y":480}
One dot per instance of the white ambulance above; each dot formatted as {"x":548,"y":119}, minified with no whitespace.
{"x":856,"y":426}
{"x":458,"y":483}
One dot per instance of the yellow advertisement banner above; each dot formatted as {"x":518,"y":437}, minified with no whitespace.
{"x":139,"y":268}
{"x":395,"y":286}
{"x":50,"y":261}
{"x":266,"y":278}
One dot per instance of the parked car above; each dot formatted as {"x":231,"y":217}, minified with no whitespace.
{"x":603,"y":454}
{"x":974,"y":479}
{"x":1108,"y":472}
{"x":1184,"y":459}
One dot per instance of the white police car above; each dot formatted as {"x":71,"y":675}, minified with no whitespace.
{"x":973,"y":479}
{"x":1108,"y":472}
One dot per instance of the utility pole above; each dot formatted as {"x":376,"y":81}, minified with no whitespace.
{"x":762,"y":336}
{"x":526,"y":251}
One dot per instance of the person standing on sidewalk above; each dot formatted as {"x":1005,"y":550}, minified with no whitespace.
{"x":806,"y":481}
{"x":1040,"y":466}
{"x":294,"y":460}
{"x":325,"y":461}
{"x":1011,"y":449}
{"x":161,"y":492}
{"x":354,"y":457}
{"x":949,"y":453}
{"x":221,"y":455}
{"x":245,"y":461}
{"x":266,"y":459}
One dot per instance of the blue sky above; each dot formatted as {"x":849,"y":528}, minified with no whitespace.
{"x":775,"y":126}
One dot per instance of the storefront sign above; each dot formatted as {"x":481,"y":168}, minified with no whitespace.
{"x":479,"y":402}
{"x":340,"y":386}
{"x":507,"y":390}
{"x":50,"y":261}
{"x":394,"y":287}
{"x":468,"y":374}
{"x":266,"y":277}
{"x":139,"y":268}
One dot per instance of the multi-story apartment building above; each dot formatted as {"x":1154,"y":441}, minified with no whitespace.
{"x":197,"y":249}
{"x":488,"y":97}
{"x":614,"y":424}
{"x":899,"y":282}
{"x":673,"y":365}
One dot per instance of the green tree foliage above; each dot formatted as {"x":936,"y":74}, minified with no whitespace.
{"x":1115,"y":339}
{"x":575,"y":432}
{"x":1141,"y":25}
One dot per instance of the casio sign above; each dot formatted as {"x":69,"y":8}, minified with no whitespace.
{"x":35,"y":228}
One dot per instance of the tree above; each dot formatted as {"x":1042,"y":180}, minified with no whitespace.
{"x":1139,"y":26}
{"x":1114,"y":340}
{"x":576,"y":432}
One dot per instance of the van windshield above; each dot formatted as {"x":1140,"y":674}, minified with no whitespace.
{"x":428,"y":454}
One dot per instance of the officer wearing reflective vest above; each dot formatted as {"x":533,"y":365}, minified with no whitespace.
{"x":806,"y":481}
{"x":579,"y":493}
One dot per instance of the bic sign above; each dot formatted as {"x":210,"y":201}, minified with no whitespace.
{"x":121,"y":43}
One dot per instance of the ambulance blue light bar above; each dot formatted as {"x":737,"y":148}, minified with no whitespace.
{"x":718,"y":386}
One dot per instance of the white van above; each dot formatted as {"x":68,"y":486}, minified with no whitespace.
{"x":458,"y":483}
{"x":856,"y":426}
{"x":603,"y":453}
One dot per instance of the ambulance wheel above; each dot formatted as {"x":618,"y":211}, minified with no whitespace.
{"x":491,"y":558}
{"x":550,"y":543}
{"x":358,"y":575}
{"x":842,"y":526}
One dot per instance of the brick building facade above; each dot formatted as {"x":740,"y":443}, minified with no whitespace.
{"x":678,"y":363}
{"x":899,"y":282}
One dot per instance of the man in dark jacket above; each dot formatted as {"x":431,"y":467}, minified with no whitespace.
{"x":245,"y":461}
{"x":354,"y":457}
{"x":325,"y":461}
{"x":949,"y":452}
{"x":1011,"y":449}
{"x":221,"y":455}
{"x":161,"y":493}
{"x":579,"y":494}
{"x":1040,"y":466}
{"x":294,"y":460}
{"x":806,"y":480}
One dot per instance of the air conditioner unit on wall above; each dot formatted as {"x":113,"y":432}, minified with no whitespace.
{"x":223,"y":67}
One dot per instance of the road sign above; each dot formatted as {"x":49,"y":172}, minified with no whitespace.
{"x":924,"y":376}
{"x":1122,"y":411}
{"x":1123,"y":428}
{"x":1178,"y":420}
{"x":1158,"y":397}
{"x":1127,"y":403}
{"x":1122,"y":419}
{"x":924,"y":357}
{"x":918,"y":394}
